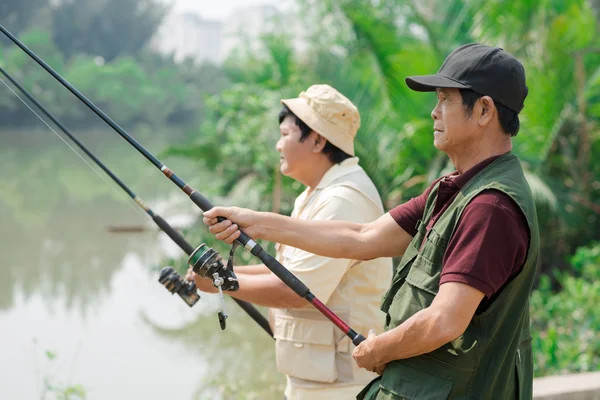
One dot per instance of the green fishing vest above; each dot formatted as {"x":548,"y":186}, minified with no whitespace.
{"x":492,"y":359}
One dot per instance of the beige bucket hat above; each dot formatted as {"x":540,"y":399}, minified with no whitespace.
{"x":329,"y":113}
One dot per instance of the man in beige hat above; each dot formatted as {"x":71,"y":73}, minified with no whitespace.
{"x":317,"y":149}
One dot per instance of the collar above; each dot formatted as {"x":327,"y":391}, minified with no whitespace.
{"x":461,"y":180}
{"x":346,"y":167}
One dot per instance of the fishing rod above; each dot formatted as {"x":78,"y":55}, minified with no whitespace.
{"x":168,"y":276}
{"x":199,"y":258}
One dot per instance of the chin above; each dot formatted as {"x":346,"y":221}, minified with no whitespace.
{"x":440,"y":144}
{"x":283,"y":169}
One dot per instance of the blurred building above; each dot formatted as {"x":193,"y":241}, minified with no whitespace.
{"x":188,"y":35}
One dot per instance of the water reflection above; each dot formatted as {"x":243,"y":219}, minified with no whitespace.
{"x":53,"y":215}
{"x":54,"y":211}
{"x":242,"y":357}
{"x":93,"y":297}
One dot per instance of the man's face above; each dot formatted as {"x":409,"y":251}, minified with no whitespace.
{"x":295,"y":156}
{"x":453,"y":128}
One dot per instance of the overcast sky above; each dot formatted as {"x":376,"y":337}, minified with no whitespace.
{"x":216,"y":9}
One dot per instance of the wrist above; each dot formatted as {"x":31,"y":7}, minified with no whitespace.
{"x":377,"y":351}
{"x":260,"y":230}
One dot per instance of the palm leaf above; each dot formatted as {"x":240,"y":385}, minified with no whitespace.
{"x":542,"y":194}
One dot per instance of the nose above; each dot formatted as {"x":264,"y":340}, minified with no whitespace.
{"x":279,"y":144}
{"x":435,"y":111}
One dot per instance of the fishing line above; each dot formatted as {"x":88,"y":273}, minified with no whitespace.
{"x":137,"y":211}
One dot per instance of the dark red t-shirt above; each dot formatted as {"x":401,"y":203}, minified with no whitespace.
{"x":490,"y":243}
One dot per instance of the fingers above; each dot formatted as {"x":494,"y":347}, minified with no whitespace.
{"x":379,"y":369}
{"x":219,"y":227}
{"x":357,"y":354}
{"x":372,"y":332}
{"x":225,"y":230}
{"x":232,"y":237}
{"x":209,"y":221}
{"x":189,"y":275}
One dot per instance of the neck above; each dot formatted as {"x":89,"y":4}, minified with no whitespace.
{"x":469,"y":156}
{"x":316,"y":172}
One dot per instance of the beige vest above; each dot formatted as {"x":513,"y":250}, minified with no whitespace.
{"x":310,"y":350}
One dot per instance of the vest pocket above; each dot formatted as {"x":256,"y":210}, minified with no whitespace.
{"x":424,"y":275}
{"x":524,"y":371}
{"x":403,"y":382}
{"x":399,"y":276}
{"x":305,"y":349}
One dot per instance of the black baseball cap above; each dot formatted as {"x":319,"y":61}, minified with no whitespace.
{"x":489,"y":71}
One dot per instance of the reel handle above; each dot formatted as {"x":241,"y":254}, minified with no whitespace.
{"x":174,"y":283}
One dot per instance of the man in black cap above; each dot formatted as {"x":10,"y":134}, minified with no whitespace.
{"x":457,"y":310}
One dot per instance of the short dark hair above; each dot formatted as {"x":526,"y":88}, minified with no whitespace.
{"x":509,"y":120}
{"x":335,"y":154}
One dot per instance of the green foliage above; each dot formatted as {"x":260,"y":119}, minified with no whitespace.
{"x":155,"y":92}
{"x":237,"y":143}
{"x":29,"y":74}
{"x":105,"y":28}
{"x":54,"y":390}
{"x":565,"y":327}
{"x":565,"y":324}
{"x":586,"y":261}
{"x":131,"y":93}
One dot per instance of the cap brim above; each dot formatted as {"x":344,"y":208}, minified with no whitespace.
{"x":428,"y":83}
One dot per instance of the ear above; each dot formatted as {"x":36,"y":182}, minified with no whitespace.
{"x":319,"y":143}
{"x":487,"y":110}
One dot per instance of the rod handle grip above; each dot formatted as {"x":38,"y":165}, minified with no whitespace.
{"x":358,"y":339}
{"x":201,"y":201}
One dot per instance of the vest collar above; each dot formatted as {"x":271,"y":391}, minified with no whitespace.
{"x":461,"y":180}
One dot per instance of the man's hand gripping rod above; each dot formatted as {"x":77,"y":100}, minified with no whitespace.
{"x":283,"y":273}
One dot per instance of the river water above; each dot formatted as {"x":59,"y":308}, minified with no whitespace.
{"x":80,"y":305}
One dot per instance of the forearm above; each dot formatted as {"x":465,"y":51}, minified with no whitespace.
{"x":422,"y":333}
{"x":257,"y":269}
{"x":335,"y":239}
{"x":266,"y":290}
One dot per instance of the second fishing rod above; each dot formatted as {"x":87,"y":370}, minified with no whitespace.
{"x":168,"y":277}
{"x":248,"y":243}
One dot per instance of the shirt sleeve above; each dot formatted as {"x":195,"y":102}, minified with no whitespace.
{"x":408,"y":214}
{"x":489,"y":245}
{"x":323,"y":274}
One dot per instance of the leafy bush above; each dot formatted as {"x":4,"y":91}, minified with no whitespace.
{"x":566,"y":323}
{"x":151,"y":89}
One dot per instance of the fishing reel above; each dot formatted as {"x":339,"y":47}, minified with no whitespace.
{"x":207,"y":263}
{"x":176,"y":284}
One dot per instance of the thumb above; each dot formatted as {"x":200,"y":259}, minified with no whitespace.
{"x":218,"y":212}
{"x":372,"y":332}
